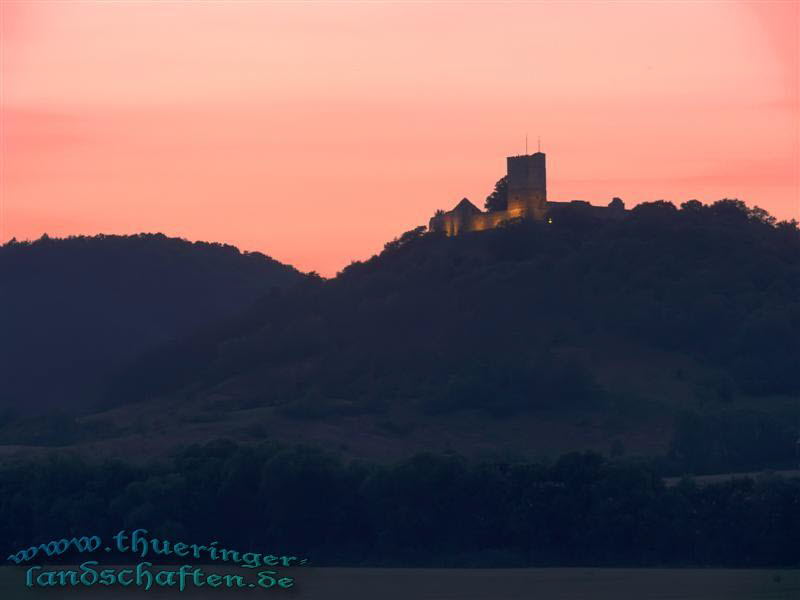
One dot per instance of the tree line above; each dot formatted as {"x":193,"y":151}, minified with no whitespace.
{"x":442,"y":510}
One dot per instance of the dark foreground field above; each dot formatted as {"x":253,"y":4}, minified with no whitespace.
{"x":473,"y":584}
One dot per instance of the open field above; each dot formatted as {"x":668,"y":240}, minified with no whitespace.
{"x":721,"y":477}
{"x":469,"y":584}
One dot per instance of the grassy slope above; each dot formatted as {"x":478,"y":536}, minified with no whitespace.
{"x":154,"y":428}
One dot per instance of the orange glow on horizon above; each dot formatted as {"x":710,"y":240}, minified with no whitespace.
{"x":316,"y":132}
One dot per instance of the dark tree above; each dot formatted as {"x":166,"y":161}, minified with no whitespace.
{"x":498,"y":199}
{"x":616,"y":204}
{"x":692,"y":206}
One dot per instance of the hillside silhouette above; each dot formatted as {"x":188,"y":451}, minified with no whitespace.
{"x":529,"y":319}
{"x":74,"y":310}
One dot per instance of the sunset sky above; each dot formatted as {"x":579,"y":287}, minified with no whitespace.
{"x":315,"y":132}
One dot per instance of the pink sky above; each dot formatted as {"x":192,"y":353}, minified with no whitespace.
{"x":316,"y":132}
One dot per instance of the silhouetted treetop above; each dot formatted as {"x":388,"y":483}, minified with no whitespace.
{"x":498,"y":199}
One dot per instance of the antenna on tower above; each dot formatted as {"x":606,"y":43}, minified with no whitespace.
{"x":539,"y":144}
{"x":526,"y":143}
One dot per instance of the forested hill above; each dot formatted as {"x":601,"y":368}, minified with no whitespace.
{"x":529,"y":317}
{"x":73,"y":310}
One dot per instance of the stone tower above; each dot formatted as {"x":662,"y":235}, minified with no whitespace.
{"x":527,"y":186}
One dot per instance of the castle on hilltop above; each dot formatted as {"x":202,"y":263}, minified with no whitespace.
{"x":526,"y":185}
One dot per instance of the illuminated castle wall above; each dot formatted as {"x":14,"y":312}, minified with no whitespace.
{"x":526,"y":177}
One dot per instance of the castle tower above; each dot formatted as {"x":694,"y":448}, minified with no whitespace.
{"x":527,"y":186}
